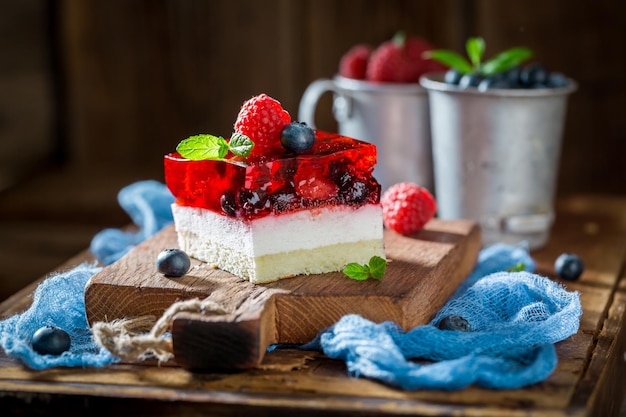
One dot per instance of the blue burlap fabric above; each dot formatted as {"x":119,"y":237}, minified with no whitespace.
{"x":59,"y":300}
{"x":515,"y":318}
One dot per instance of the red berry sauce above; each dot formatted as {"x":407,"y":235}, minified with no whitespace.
{"x":336,"y":171}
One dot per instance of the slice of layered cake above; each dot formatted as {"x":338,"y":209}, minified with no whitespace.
{"x":306,"y":204}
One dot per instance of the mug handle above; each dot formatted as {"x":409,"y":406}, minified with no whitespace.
{"x":310,"y":98}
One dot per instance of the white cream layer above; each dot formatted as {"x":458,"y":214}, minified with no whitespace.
{"x":272,"y":247}
{"x":305,"y":229}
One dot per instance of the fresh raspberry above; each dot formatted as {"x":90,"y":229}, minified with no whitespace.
{"x":407,"y":207}
{"x":400,"y":60}
{"x":354,"y":63}
{"x":262,"y":118}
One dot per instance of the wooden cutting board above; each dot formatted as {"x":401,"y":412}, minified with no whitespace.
{"x":424,"y":270}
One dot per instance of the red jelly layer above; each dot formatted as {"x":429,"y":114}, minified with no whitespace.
{"x":337,"y":170}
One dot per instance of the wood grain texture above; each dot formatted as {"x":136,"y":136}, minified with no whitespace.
{"x":424,"y":270}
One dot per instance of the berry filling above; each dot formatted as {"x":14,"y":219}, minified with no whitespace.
{"x":337,"y":170}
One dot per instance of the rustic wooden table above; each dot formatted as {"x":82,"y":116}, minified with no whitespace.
{"x":590,"y":379}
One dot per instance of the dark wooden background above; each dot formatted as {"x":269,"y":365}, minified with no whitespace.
{"x":93,"y":93}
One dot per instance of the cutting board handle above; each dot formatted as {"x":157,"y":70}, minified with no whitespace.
{"x":225,"y":341}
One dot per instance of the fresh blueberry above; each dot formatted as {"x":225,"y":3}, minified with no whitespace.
{"x":534,"y":75}
{"x":493,"y":82}
{"x":512,"y":76}
{"x":569,"y":266}
{"x":470,"y":80}
{"x":297,"y":137}
{"x":456,"y":323}
{"x":173,"y":262}
{"x":452,"y":76}
{"x":557,"y":80}
{"x":50,"y":340}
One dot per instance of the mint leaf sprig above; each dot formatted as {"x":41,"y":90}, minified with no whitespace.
{"x":475,"y":49}
{"x":374,"y":269}
{"x":205,"y":146}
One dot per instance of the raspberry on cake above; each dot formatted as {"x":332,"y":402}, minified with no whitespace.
{"x":262,"y":118}
{"x":279,"y":213}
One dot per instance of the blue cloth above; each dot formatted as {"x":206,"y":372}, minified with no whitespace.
{"x":148,"y":203}
{"x":497,"y":258}
{"x":59,"y":300}
{"x":515,"y":318}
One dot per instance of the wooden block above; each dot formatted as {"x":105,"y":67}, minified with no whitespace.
{"x":424,"y":270}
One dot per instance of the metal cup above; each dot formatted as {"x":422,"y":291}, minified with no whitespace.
{"x":496,"y":157}
{"x":394,"y":117}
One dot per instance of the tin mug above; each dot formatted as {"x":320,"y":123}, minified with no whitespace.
{"x":496,"y":157}
{"x":394,"y":117}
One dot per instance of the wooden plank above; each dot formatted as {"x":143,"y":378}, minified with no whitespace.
{"x":424,"y":270}
{"x":602,"y":389}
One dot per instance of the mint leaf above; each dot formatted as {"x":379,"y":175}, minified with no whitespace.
{"x":450,"y":59}
{"x":475,"y":49}
{"x":202,"y":147}
{"x":505,"y":60}
{"x":518,"y":267}
{"x":375,"y":269}
{"x":356,"y":271}
{"x":240,"y":145}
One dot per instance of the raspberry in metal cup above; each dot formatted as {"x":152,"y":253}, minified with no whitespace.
{"x":378,"y":99}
